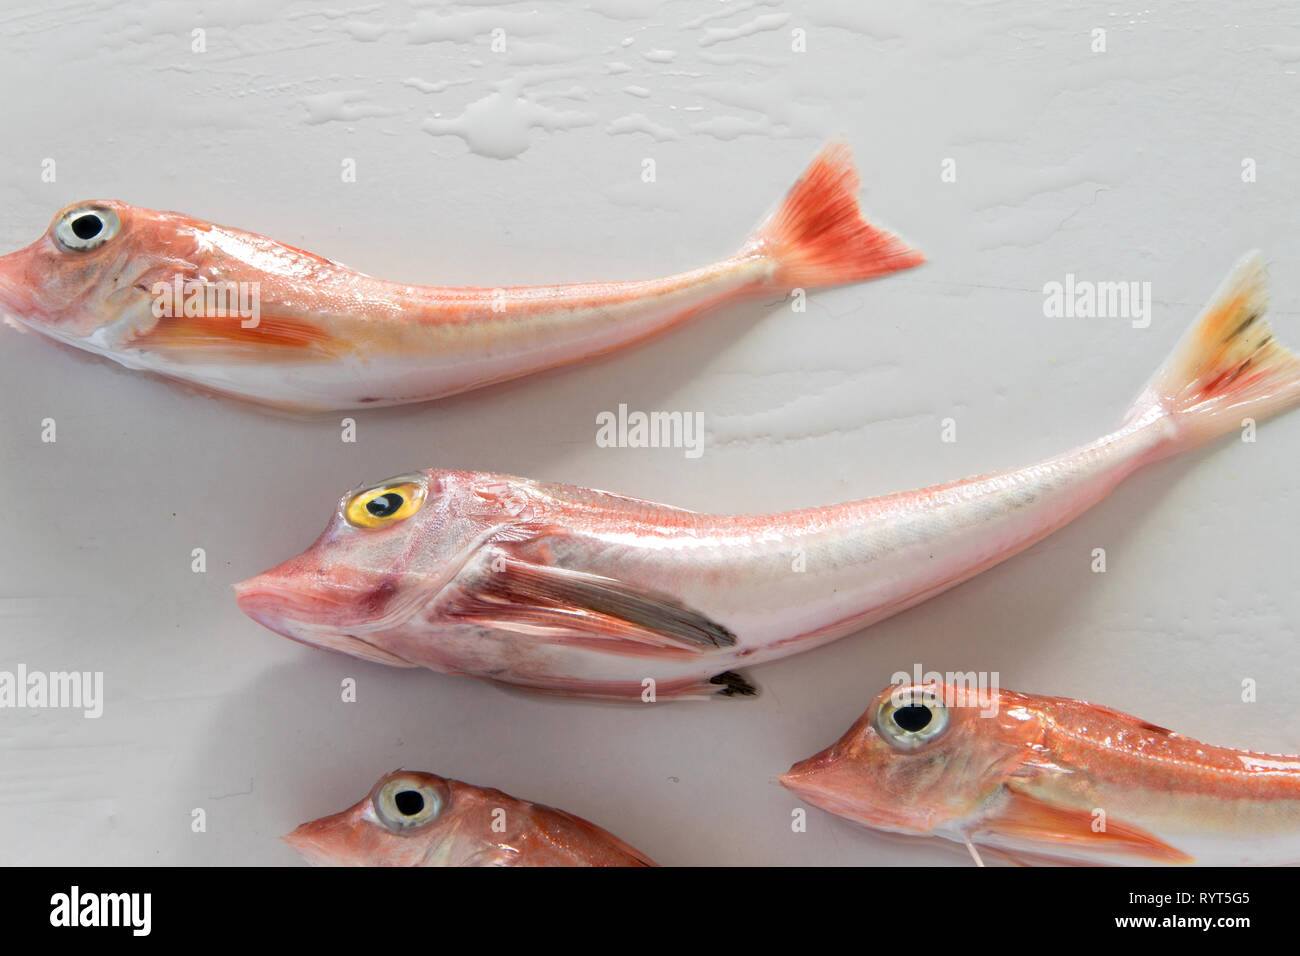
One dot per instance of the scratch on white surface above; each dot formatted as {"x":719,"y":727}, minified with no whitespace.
{"x":215,"y":797}
{"x":802,"y":406}
{"x":726,"y":10}
{"x":769,"y":21}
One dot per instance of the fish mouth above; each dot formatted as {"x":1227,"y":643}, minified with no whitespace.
{"x":829,"y":783}
{"x":306,"y":847}
{"x":296,"y":613}
{"x":26,"y":281}
{"x":810,"y":779}
{"x":11,"y":305}
{"x":309,"y":841}
{"x":807,"y":778}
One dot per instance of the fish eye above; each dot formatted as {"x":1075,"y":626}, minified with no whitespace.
{"x":385,"y":503}
{"x":404,"y":803}
{"x":911,"y":717}
{"x":86,"y":227}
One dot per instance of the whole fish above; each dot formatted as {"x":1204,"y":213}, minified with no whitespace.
{"x":1046,"y":779}
{"x":585,"y":592}
{"x":243,"y":315}
{"x":419,"y":819}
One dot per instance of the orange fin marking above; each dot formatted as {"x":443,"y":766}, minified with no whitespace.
{"x":1228,"y":366}
{"x":271,"y":331}
{"x":1029,"y":818}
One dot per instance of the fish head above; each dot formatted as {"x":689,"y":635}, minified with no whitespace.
{"x":407,"y":819}
{"x":922,"y":758}
{"x":169,"y":293}
{"x":387,"y":553}
{"x":90,"y":278}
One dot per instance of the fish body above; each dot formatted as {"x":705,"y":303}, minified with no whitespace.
{"x":421,"y":819}
{"x":243,"y":315}
{"x":584,"y":592}
{"x":1046,"y":779}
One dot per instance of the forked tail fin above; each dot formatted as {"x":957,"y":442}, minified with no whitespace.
{"x":1228,"y":367}
{"x":818,"y":236}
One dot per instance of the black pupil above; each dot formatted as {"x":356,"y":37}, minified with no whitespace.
{"x":87,"y":226}
{"x":409,"y":802}
{"x":382,"y":506}
{"x":913,"y":717}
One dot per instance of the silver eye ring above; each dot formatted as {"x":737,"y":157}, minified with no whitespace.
{"x":911,"y":717}
{"x":86,"y":227}
{"x":405,"y":803}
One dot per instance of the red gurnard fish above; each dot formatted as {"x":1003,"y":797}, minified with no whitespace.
{"x":243,"y":315}
{"x":419,"y":819}
{"x":1046,"y":779}
{"x":584,"y":592}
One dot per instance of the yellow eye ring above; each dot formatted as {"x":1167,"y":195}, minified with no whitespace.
{"x":384,"y":504}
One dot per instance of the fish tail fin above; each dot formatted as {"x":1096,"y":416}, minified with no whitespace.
{"x":1228,"y":367}
{"x":818,"y":237}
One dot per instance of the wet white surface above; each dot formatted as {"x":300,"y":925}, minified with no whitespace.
{"x":494,"y":168}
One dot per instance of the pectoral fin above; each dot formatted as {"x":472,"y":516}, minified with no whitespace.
{"x":1021,"y":818}
{"x":574,"y":607}
{"x":228,"y":332}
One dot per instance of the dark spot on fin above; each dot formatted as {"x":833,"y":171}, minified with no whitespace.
{"x":1245,"y":324}
{"x":1238,"y":370}
{"x":733,"y":684}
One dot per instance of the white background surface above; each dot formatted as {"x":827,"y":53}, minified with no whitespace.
{"x":491,"y":169}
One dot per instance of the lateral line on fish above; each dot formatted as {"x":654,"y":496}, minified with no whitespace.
{"x":1187,"y":763}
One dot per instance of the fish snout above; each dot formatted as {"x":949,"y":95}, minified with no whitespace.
{"x":311,"y":607}
{"x":311,"y":589}
{"x":13,"y":300}
{"x":293,"y":601}
{"x":276,"y":602}
{"x":317,"y":842}
{"x":831,"y":781}
{"x":808,"y":778}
